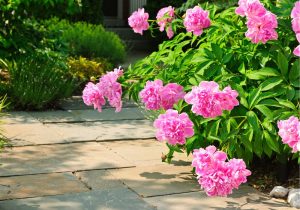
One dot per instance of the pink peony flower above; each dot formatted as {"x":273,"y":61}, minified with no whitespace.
{"x":150,"y":95}
{"x":170,"y":95}
{"x":203,"y":99}
{"x":227,"y":98}
{"x":250,"y":8}
{"x":164,"y":17}
{"x":107,"y":87}
{"x":196,"y":20}
{"x":138,"y":21}
{"x":208,"y":101}
{"x":296,"y":25}
{"x":92,"y":95}
{"x":216,"y":176}
{"x":262,"y":28}
{"x":297,"y":51}
{"x":296,"y":10}
{"x":111,"y":89}
{"x":289,"y":131}
{"x":156,"y":96}
{"x":170,"y":32}
{"x":173,"y":127}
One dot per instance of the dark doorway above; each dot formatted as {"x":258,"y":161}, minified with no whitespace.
{"x":110,"y":8}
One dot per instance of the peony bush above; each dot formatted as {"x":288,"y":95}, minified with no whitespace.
{"x":231,"y":81}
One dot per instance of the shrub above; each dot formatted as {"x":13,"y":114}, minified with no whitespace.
{"x":39,"y":79}
{"x":88,"y":40}
{"x":84,"y":69}
{"x":266,"y":77}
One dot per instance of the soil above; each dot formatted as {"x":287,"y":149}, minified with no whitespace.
{"x":266,"y":176}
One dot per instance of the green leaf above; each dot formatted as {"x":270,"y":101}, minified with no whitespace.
{"x":271,"y":142}
{"x":262,"y":73}
{"x":193,"y":81}
{"x":286,"y":103}
{"x":217,"y":51}
{"x":242,"y":69}
{"x":270,"y":83}
{"x":253,"y":96}
{"x":270,"y":102}
{"x":295,"y":71}
{"x":227,"y":58}
{"x":283,"y":63}
{"x":265,"y":111}
{"x":215,"y":128}
{"x":253,"y":120}
{"x":247,"y":139}
{"x":295,"y":83}
{"x":258,"y":147}
{"x":290,"y":93}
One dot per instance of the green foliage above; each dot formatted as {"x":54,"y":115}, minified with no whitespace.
{"x":88,"y":40}
{"x":85,"y":69}
{"x":3,"y":104}
{"x":21,"y":32}
{"x":38,"y":80}
{"x":265,"y":76}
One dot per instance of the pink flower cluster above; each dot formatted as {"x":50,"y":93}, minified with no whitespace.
{"x":289,"y":131}
{"x":107,"y":87}
{"x":216,"y":176}
{"x":295,"y":15}
{"x":164,"y":18}
{"x":260,"y":22}
{"x":208,"y":101}
{"x":138,"y":21}
{"x":196,"y":20}
{"x":173,"y":127}
{"x":156,"y":96}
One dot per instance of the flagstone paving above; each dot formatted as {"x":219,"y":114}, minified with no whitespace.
{"x":77,"y":158}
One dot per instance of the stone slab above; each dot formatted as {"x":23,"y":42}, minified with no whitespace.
{"x":18,"y":118}
{"x":102,"y":131}
{"x":126,"y":129}
{"x":30,"y":134}
{"x":112,"y":199}
{"x":145,"y":152}
{"x":39,"y":185}
{"x":58,"y":158}
{"x":76,"y":102}
{"x":243,"y":198}
{"x":158,"y":180}
{"x":56,"y":116}
{"x":99,"y":179}
{"x":109,"y":114}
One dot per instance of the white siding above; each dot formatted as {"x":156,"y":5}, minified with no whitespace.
{"x":135,"y":4}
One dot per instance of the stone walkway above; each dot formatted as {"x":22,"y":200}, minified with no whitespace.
{"x":79,"y":159}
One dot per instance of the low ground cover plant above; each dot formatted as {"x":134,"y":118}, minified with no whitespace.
{"x":39,"y":80}
{"x":232,"y":79}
